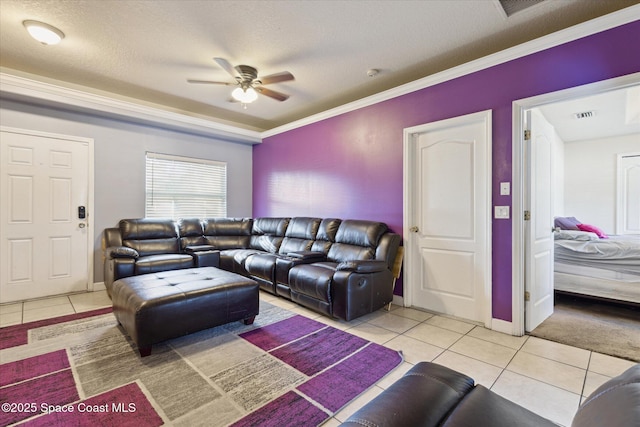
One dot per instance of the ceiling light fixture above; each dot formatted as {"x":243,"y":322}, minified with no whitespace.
{"x":44,"y":33}
{"x":246,"y":95}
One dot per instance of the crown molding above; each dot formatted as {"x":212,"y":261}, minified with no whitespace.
{"x":49,"y":94}
{"x":576,"y":32}
{"x":83,"y":100}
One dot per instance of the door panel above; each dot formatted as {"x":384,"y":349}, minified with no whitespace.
{"x":450,"y":217}
{"x":44,"y":245}
{"x":539,"y":229}
{"x":628,"y":194}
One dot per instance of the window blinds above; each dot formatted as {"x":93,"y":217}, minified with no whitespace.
{"x":183,"y":187}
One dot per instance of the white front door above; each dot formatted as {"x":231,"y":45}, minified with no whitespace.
{"x":448,"y":221}
{"x":539,"y":228}
{"x":43,"y":181}
{"x":628,"y":194}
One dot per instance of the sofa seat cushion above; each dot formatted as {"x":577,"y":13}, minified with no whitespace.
{"x":156,"y":263}
{"x":262,"y":266}
{"x":234,"y":259}
{"x":312,"y":280}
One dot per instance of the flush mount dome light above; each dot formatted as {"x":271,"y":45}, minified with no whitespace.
{"x":44,"y":33}
{"x":245,"y":95}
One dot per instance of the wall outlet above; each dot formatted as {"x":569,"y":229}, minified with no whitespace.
{"x":501,"y":212}
{"x":505,"y":188}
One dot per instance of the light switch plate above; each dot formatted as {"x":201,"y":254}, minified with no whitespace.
{"x":505,"y":188}
{"x":501,"y":212}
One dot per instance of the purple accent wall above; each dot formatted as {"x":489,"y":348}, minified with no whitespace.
{"x":350,"y":166}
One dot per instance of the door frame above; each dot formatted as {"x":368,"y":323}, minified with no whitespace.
{"x":620,"y":197}
{"x":519,"y":108}
{"x":409,"y":168}
{"x":91,"y":217}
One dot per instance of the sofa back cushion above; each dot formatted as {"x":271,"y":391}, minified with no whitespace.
{"x":300,"y":235}
{"x":227,"y":233}
{"x":326,"y":235}
{"x":150,"y":236}
{"x":191,"y":233}
{"x":268,"y":233}
{"x":356,"y":240}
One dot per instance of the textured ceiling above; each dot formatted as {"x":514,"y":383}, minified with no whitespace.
{"x":146,"y":49}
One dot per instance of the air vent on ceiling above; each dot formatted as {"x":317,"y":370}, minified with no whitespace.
{"x":584,"y":114}
{"x":511,"y":7}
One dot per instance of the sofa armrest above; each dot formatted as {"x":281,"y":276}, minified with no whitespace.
{"x":121,"y":252}
{"x":356,"y":293}
{"x":307,"y":255}
{"x":210,"y":258}
{"x":422,"y":397}
{"x":284,"y":264}
{"x":362,"y":266}
{"x":198,"y":248}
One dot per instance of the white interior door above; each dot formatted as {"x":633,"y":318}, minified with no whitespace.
{"x":43,"y":181}
{"x":628,"y":194}
{"x":449,"y":267}
{"x":539,"y":228}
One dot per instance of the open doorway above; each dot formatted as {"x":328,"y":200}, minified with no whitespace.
{"x":524,"y":264}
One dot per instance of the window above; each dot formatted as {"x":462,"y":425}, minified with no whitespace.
{"x":183,"y":187}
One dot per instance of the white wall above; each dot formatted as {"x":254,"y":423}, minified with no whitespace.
{"x":590,"y":179}
{"x":120,"y":149}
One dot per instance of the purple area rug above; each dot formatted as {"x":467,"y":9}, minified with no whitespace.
{"x":42,"y":390}
{"x":277,"y":334}
{"x":12,"y":336}
{"x":290,"y":409}
{"x":32,"y":367}
{"x":26,"y":399}
{"x":339,"y":367}
{"x":285,"y":370}
{"x":335,"y":387}
{"x":125,"y":406}
{"x":319,"y":350}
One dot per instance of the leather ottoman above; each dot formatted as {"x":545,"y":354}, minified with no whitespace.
{"x":160,"y":306}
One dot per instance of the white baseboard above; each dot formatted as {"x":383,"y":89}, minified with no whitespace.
{"x":97,"y":286}
{"x":503,"y":326}
{"x":398,"y":300}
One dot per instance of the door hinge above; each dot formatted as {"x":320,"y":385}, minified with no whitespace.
{"x":527,"y":296}
{"x":527,"y":215}
{"x":527,"y":135}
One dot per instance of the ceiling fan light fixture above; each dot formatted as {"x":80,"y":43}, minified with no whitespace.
{"x":244,"y":95}
{"x":44,"y":33}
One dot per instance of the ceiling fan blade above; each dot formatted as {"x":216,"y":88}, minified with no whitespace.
{"x":278,"y":77}
{"x":227,"y":67}
{"x":209,"y":82}
{"x":272,"y":93}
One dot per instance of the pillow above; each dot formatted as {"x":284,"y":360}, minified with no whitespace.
{"x":593,"y":229}
{"x":584,"y":236}
{"x":566,"y":223}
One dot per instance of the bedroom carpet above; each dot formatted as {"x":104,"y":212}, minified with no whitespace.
{"x":594,"y":325}
{"x":283,"y":370}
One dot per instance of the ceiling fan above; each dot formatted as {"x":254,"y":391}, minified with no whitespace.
{"x":248,"y":83}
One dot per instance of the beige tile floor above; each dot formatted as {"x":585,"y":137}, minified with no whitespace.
{"x":543,"y":376}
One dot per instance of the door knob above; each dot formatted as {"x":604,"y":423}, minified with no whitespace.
{"x":82,"y":225}
{"x":414,"y":229}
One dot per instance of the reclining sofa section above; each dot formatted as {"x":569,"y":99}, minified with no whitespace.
{"x":340,"y":268}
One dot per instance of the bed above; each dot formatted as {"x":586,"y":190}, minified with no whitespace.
{"x":589,"y":262}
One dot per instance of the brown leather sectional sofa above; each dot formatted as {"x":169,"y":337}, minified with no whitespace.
{"x":340,"y":268}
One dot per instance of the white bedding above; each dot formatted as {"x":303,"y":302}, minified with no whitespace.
{"x":619,"y":252}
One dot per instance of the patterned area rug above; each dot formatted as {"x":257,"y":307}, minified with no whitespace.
{"x":284,"y":370}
